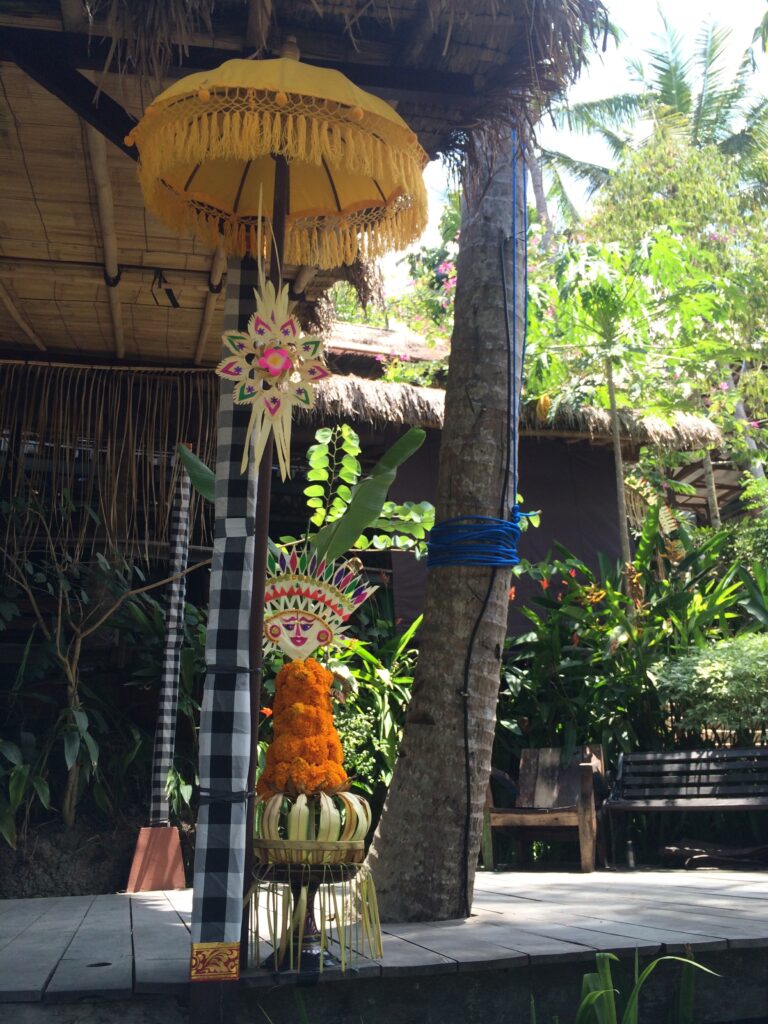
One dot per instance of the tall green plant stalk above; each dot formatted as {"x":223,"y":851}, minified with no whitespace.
{"x":601,"y":1002}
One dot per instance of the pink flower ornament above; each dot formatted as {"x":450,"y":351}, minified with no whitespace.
{"x":275,"y":361}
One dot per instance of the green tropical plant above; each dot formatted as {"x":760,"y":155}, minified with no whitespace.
{"x":602,"y":1003}
{"x":376,"y":675}
{"x":356,"y":503}
{"x":141,"y":627}
{"x":71,"y":596}
{"x":685,"y":97}
{"x":584,"y":670}
{"x":342,"y":502}
{"x":721,"y":688}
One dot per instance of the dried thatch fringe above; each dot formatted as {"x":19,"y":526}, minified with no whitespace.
{"x":684,"y":432}
{"x":106,"y":436}
{"x":145,"y":33}
{"x":106,"y":440}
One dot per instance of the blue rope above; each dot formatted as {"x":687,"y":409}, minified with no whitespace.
{"x":475,"y":540}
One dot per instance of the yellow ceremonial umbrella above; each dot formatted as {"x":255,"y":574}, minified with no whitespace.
{"x":208,"y":147}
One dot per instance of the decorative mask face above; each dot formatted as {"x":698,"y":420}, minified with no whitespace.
{"x":297,"y":633}
{"x":307,"y":601}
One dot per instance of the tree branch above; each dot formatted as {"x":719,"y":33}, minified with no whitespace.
{"x":133,"y":593}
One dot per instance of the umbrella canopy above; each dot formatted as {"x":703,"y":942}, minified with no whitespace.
{"x":208,"y":146}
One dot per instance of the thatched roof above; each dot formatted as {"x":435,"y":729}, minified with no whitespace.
{"x":85,"y":272}
{"x":684,"y":432}
{"x":445,"y":63}
{"x":107,"y":434}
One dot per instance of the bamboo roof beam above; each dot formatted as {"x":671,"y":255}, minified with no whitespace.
{"x":73,"y":16}
{"x":85,"y":270}
{"x":97,"y":152}
{"x":10,"y":305}
{"x":218,"y":270}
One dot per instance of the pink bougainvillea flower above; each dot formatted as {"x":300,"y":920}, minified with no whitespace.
{"x":275,"y":361}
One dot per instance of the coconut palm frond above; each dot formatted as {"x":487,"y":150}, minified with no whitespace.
{"x":593,"y":176}
{"x":671,"y":72}
{"x":618,"y":144}
{"x":761,"y":33}
{"x":751,"y":141}
{"x":558,"y":194}
{"x":671,"y":123}
{"x":612,"y":111}
{"x":710,"y":101}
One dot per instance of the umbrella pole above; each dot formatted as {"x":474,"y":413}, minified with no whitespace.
{"x":263,"y":491}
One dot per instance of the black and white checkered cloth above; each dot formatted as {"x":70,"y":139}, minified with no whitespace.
{"x":165,"y":731}
{"x":225,"y":724}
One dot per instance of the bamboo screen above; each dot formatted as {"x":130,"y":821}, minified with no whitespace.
{"x":99,"y":444}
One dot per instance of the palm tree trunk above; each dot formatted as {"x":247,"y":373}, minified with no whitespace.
{"x":540,"y":195}
{"x":618,"y":463}
{"x":424,"y":855}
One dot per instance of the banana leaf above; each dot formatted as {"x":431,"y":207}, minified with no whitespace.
{"x":201,"y":476}
{"x":367,"y":499}
{"x":204,"y":479}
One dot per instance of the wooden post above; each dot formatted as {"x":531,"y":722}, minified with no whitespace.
{"x":618,"y":461}
{"x":712,"y":502}
{"x":587,"y":818}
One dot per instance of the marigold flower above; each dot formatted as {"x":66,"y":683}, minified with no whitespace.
{"x":305,"y":755}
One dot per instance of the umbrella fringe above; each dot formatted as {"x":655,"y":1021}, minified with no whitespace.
{"x":240,"y":124}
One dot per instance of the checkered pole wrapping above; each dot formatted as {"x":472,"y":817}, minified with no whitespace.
{"x":225,"y":725}
{"x":165,"y":732}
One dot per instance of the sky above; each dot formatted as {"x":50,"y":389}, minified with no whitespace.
{"x":607,"y":75}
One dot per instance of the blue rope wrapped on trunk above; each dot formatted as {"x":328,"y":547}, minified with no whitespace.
{"x":475,"y":540}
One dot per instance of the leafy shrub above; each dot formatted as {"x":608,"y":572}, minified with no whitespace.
{"x":376,"y":674}
{"x":584,"y":671}
{"x":723,"y":686}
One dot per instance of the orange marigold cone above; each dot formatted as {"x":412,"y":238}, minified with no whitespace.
{"x":305,"y":753}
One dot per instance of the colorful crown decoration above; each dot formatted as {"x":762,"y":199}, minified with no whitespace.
{"x":273,"y":369}
{"x":307,"y":601}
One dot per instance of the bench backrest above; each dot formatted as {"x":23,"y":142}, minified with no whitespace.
{"x":695,"y":775}
{"x":544,"y":780}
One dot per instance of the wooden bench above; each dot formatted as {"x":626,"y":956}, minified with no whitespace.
{"x":554,"y":801}
{"x":690,"y":780}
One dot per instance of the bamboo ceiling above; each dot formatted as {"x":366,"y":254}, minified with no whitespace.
{"x":85,"y":272}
